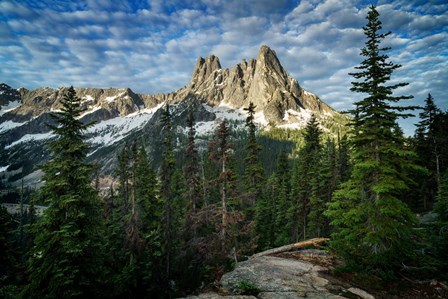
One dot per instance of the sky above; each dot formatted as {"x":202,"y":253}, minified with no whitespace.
{"x":151,"y":46}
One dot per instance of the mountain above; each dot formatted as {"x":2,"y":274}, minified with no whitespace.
{"x":122,"y":115}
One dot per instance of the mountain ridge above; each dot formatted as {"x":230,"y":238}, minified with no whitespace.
{"x":120,"y":114}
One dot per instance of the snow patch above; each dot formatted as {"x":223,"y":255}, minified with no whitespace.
{"x":113,"y":98}
{"x":297,"y":119}
{"x":55,"y":110}
{"x":308,"y":93}
{"x":8,"y":125}
{"x":110,"y":99}
{"x":10,"y":106}
{"x":205,"y":127}
{"x":3,"y":168}
{"x":89,"y":111}
{"x":112,"y":130}
{"x":87,"y":98}
{"x":260,"y":118}
{"x":31,"y":137}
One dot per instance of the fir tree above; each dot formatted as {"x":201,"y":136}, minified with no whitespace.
{"x":304,"y":170}
{"x":440,"y":229}
{"x":323,"y":184}
{"x":343,"y":159}
{"x":192,"y":176}
{"x":223,"y":152}
{"x":266,"y":213}
{"x":283,"y":202}
{"x":427,"y":149}
{"x":372,"y":226}
{"x":146,"y":186}
{"x":167,"y":170}
{"x":253,"y":168}
{"x":8,"y":260}
{"x":66,"y":259}
{"x":234,"y":234}
{"x":133,"y":226}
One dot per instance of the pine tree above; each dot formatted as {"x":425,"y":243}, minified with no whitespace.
{"x":66,"y":259}
{"x":372,"y":226}
{"x":192,"y":176}
{"x":223,"y":152}
{"x":234,"y":234}
{"x":428,"y":151}
{"x":266,"y":213}
{"x":253,"y":168}
{"x":440,"y":227}
{"x":283,"y":202}
{"x":147,"y":197}
{"x":167,"y":171}
{"x":304,"y":170}
{"x":323,"y":184}
{"x":343,"y":160}
{"x":8,"y":260}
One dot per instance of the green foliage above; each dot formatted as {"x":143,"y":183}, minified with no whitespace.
{"x":373,"y":227}
{"x":7,"y":257}
{"x":266,"y":212}
{"x":283,"y":200}
{"x":440,"y":229}
{"x":248,"y":288}
{"x":428,"y":149}
{"x":66,"y":258}
{"x":323,"y":184}
{"x":303,"y":177}
{"x":254,"y":175}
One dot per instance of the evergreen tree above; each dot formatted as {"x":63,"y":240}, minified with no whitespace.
{"x":440,"y":232}
{"x":233,"y":232}
{"x":192,"y":176}
{"x":67,"y":255}
{"x":343,"y":160}
{"x":146,"y":186}
{"x":305,"y":169}
{"x":427,"y":149}
{"x":283,"y":202}
{"x":167,"y":170}
{"x":133,"y":219}
{"x":373,"y":228}
{"x":254,"y":170}
{"x":7,"y":257}
{"x":266,"y":213}
{"x":223,"y":154}
{"x":323,"y":184}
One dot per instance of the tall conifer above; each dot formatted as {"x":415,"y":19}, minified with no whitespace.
{"x":254,"y":170}
{"x":372,"y":226}
{"x":304,"y":171}
{"x":167,"y":170}
{"x":66,"y":259}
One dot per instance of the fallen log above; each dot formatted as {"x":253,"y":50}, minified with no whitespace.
{"x":316,"y":242}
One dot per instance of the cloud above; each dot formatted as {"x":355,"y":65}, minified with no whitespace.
{"x":152,"y":46}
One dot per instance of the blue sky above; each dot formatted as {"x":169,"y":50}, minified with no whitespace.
{"x":152,"y":46}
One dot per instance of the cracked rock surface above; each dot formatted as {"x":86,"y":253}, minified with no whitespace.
{"x":280,"y":278}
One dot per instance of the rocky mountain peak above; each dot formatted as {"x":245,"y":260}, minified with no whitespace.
{"x":267,"y":61}
{"x":203,"y":69}
{"x":262,"y":81}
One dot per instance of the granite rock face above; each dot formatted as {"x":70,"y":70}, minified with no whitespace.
{"x":282,"y":278}
{"x":262,"y":81}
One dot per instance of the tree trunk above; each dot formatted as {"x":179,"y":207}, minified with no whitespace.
{"x":316,"y":242}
